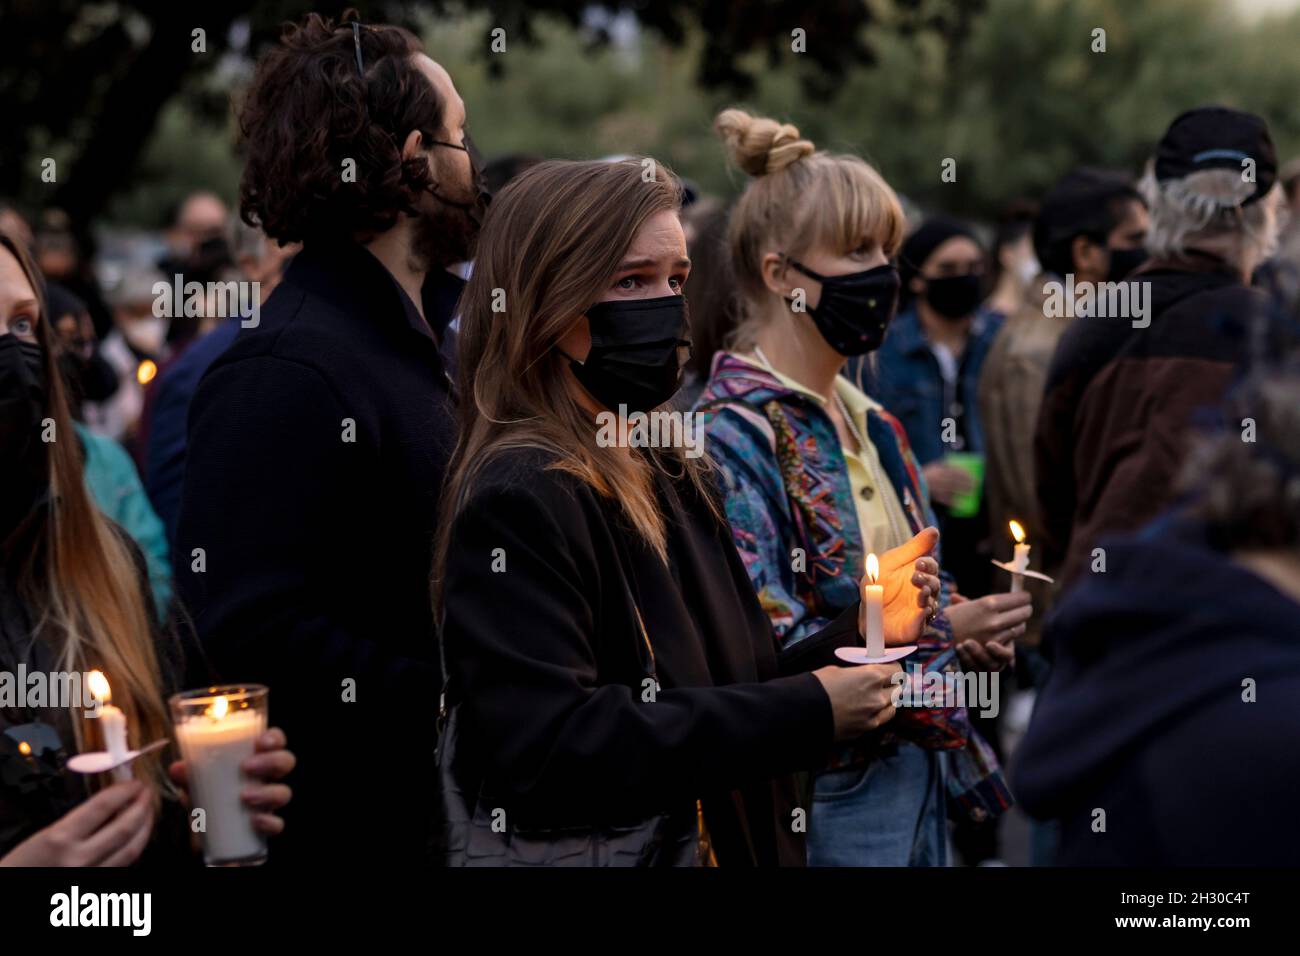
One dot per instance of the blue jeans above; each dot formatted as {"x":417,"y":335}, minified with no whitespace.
{"x":892,"y":812}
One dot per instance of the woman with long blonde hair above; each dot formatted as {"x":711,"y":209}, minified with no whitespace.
{"x":74,"y":598}
{"x":616,"y":695}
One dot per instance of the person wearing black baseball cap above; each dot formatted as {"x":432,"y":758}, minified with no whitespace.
{"x":1112,"y":431}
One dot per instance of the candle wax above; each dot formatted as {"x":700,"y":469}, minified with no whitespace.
{"x":113,"y":724}
{"x":214,"y":749}
{"x":1019,"y":564}
{"x":873,"y":599}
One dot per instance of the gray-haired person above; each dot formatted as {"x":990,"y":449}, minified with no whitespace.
{"x":1123,"y":388}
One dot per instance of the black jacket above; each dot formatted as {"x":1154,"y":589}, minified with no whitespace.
{"x":1147,"y":715}
{"x":317,"y":444}
{"x":1113,"y":428}
{"x":546,"y":660}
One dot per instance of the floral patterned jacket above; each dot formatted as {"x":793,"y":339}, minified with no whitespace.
{"x":790,"y":505}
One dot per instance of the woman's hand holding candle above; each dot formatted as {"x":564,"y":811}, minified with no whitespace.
{"x":271,"y":762}
{"x":111,"y":828}
{"x":861,"y":697}
{"x":909,"y":581}
{"x":994,"y":618}
{"x":993,"y":656}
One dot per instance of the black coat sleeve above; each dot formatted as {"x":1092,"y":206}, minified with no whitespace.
{"x":270,"y":493}
{"x":523,"y":663}
{"x":818,"y":649}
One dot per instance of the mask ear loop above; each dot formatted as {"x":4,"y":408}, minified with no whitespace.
{"x":800,"y":267}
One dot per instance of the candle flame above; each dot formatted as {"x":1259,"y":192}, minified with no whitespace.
{"x":24,"y":748}
{"x":1017,"y":532}
{"x":873,"y":568}
{"x":99,"y":688}
{"x":145,"y":371}
{"x":219,"y":708}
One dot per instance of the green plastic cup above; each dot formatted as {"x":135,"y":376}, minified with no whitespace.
{"x":967,"y":505}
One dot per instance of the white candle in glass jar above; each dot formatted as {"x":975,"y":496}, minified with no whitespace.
{"x":873,"y":601}
{"x":214,"y":744}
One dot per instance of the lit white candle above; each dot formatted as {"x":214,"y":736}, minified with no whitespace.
{"x":1020,"y":561}
{"x":873,"y":600}
{"x":214,"y":744}
{"x":112,"y":723}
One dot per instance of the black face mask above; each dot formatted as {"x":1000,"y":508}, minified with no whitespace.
{"x":635,"y":358}
{"x":477,"y":209}
{"x":1123,"y":262}
{"x":955,"y":297}
{"x":854,"y":310}
{"x":23,"y":471}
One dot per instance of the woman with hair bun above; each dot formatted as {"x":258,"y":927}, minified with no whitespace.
{"x":817,"y":476}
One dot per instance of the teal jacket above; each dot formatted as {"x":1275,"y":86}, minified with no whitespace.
{"x":114,"y":484}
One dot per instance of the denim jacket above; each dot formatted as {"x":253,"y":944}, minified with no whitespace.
{"x":786,"y":487}
{"x":903,"y":375}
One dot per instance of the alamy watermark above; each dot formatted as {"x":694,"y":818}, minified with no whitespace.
{"x":657,"y":429}
{"x":1130,"y":299}
{"x":209,"y":300}
{"x":914,"y":687}
{"x":56,"y":690}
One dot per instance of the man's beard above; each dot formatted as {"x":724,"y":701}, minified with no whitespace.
{"x":444,"y":234}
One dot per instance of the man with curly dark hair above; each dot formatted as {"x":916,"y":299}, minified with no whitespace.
{"x":318,"y":440}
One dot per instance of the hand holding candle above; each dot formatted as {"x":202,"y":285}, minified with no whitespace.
{"x":900,"y":592}
{"x":909,"y":576}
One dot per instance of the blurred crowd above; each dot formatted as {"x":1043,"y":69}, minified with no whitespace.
{"x":1149,"y":457}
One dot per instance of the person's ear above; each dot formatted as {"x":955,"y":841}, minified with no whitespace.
{"x":917,"y":285}
{"x":1089,"y":258}
{"x":775,"y":274}
{"x":413,"y":145}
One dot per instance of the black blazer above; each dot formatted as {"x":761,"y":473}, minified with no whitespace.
{"x":546,"y":659}
{"x":318,"y":548}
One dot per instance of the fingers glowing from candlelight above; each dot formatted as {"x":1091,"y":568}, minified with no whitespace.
{"x":1017,"y":531}
{"x":919,"y":545}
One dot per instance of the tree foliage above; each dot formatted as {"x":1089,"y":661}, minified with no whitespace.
{"x":1012,"y":90}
